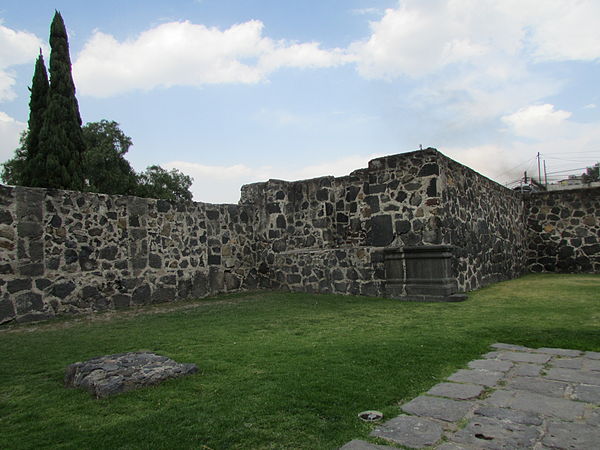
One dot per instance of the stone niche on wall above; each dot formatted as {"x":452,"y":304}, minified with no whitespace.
{"x":421,"y":273}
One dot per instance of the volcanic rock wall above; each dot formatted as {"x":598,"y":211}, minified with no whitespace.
{"x":328,"y":234}
{"x":564,"y":231}
{"x":68,"y":252}
{"x":65,"y":252}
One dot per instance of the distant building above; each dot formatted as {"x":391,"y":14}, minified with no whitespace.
{"x":572,"y":182}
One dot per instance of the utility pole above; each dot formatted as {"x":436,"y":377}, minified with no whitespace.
{"x":539,"y":169}
{"x":545,"y":175}
{"x":525,"y":177}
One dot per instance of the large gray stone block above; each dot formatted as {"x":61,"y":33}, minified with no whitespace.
{"x":438,"y":408}
{"x":572,"y":436}
{"x":413,"y":432}
{"x":113,"y":374}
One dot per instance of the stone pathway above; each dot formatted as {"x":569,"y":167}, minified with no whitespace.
{"x":514,"y":397}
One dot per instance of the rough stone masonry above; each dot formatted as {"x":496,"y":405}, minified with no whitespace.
{"x":64,"y":252}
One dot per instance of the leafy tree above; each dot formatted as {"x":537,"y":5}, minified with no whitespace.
{"x":591,"y":173}
{"x":156,"y":182}
{"x":106,"y":169}
{"x":37,"y":106}
{"x":58,"y":162}
{"x":12,"y":170}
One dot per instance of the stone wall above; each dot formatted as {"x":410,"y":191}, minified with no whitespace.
{"x":328,"y":234}
{"x":485,"y":222}
{"x":564,"y":231}
{"x":68,"y":252}
{"x":65,"y":252}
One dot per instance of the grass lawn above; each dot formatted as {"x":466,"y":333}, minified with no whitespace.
{"x":277,"y":370}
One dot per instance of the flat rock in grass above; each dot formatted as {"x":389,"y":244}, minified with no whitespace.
{"x":413,"y":432}
{"x":438,"y":408}
{"x":571,"y":435}
{"x":112,"y":374}
{"x":357,"y":444}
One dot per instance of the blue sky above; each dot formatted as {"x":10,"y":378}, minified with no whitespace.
{"x":237,"y":91}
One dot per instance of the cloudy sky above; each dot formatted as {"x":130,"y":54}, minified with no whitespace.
{"x":236,"y":91}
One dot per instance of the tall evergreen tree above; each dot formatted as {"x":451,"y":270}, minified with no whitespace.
{"x":37,"y":106}
{"x":61,"y":144}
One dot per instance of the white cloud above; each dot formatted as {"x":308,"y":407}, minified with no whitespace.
{"x":537,"y":121}
{"x":222,"y":184}
{"x":421,"y":37}
{"x":187,"y":54}
{"x":10,"y":131}
{"x":16,"y":47}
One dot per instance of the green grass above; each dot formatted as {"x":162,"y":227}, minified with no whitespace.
{"x":277,"y":370}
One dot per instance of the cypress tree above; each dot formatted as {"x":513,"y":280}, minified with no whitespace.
{"x":61,"y":144}
{"x":37,"y":106}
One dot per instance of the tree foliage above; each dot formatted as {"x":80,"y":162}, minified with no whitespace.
{"x":56,"y":152}
{"x":591,"y":173}
{"x":37,"y":106}
{"x":106,"y":169}
{"x":58,"y":162}
{"x":156,"y":182}
{"x":12,"y":170}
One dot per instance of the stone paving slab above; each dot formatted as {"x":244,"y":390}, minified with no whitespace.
{"x":592,"y":355}
{"x":485,"y":433}
{"x":456,"y":391}
{"x":572,"y":435}
{"x":438,"y":408}
{"x":476,"y":376}
{"x":527,"y":370}
{"x":544,"y":387}
{"x":536,"y":358}
{"x":513,"y":397}
{"x":574,"y":376}
{"x":491,"y":364}
{"x":410,"y":431}
{"x":357,"y":444}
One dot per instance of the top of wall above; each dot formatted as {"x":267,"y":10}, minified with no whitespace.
{"x":397,"y":162}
